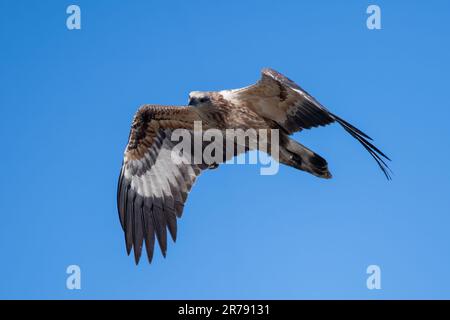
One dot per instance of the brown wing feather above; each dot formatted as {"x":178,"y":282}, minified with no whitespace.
{"x":152,"y":189}
{"x":278,"y":98}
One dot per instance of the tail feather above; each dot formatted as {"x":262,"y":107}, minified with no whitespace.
{"x":298,"y":156}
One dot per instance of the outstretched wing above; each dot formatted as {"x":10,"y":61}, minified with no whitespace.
{"x":279,"y":99}
{"x":152,"y":188}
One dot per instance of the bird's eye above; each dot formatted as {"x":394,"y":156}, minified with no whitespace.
{"x":203,"y":99}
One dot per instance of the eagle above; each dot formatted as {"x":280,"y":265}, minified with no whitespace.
{"x":152,"y":188}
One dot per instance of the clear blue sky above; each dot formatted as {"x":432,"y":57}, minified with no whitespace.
{"x":67,"y":99}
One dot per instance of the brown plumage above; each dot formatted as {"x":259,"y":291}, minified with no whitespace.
{"x":152,"y":188}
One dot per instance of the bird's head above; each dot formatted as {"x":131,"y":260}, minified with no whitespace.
{"x":199,"y":98}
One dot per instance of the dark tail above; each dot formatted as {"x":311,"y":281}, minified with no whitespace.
{"x":298,"y":156}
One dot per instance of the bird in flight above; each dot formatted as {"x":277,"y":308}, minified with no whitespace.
{"x":152,"y":188}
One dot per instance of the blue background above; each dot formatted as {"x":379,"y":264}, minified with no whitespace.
{"x":68,"y":97}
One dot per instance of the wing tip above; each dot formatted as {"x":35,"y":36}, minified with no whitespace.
{"x":364,"y":140}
